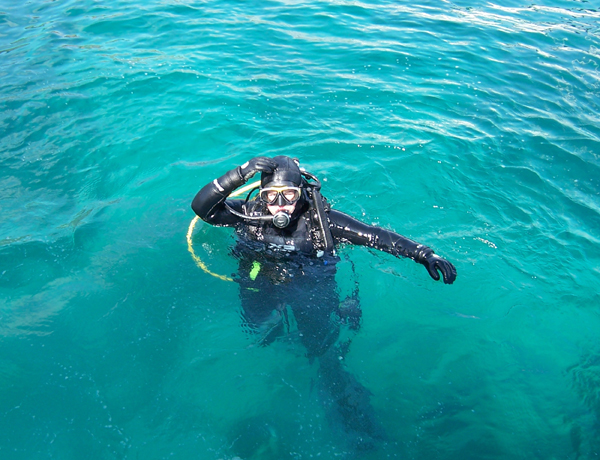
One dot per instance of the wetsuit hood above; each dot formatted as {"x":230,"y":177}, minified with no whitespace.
{"x":286,"y":173}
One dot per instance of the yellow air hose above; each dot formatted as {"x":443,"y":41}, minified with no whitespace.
{"x":197,"y":259}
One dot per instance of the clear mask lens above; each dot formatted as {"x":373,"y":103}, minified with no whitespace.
{"x":270,"y":195}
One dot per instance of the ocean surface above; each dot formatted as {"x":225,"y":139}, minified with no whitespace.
{"x":471,"y":127}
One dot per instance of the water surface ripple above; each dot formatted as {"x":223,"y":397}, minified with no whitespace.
{"x":471,"y":128}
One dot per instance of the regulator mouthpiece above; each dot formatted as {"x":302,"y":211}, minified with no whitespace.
{"x":281,"y":219}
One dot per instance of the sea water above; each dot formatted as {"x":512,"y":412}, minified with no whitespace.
{"x":470,"y":127}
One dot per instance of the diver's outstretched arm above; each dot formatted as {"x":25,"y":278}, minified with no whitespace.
{"x":347,"y":229}
{"x":208,"y":203}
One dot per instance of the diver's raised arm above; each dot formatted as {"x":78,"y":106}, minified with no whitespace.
{"x":208,"y":203}
{"x":348,"y":229}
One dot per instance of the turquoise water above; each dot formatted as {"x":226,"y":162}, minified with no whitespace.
{"x":471,"y":128}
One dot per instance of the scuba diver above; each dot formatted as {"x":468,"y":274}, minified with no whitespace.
{"x":287,"y":238}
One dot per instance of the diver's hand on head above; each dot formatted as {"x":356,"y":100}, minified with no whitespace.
{"x":433,"y":263}
{"x":257,"y":164}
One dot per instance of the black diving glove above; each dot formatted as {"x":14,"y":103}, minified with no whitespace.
{"x":257,"y":164}
{"x":433,"y":263}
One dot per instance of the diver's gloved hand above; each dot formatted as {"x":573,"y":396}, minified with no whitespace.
{"x":433,"y":263}
{"x":257,"y":164}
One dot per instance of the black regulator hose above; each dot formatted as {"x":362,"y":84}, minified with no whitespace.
{"x":318,"y":203}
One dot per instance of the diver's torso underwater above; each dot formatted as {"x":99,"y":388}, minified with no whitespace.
{"x":287,"y":238}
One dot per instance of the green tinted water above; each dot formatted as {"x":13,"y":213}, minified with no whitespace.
{"x":473,"y":129}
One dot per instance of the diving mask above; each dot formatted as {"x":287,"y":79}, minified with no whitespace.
{"x":289,"y":195}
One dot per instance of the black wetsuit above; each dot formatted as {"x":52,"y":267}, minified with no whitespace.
{"x":290,"y":266}
{"x":294,"y":268}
